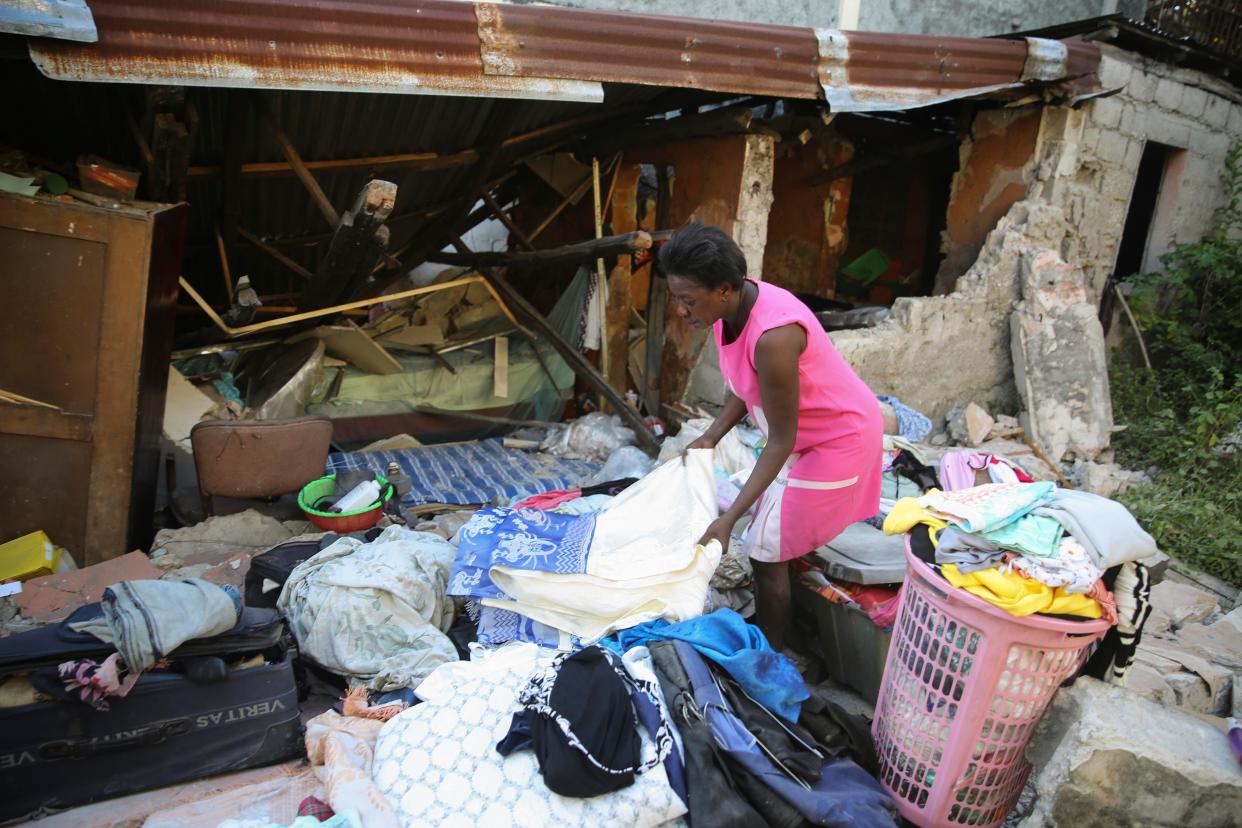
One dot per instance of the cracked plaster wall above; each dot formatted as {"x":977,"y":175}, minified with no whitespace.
{"x":939,"y":352}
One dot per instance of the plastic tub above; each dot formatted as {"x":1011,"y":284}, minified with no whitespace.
{"x":341,"y":522}
{"x":964,"y":685}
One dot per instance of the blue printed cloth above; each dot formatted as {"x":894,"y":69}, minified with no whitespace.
{"x":740,"y":648}
{"x":521,"y":539}
{"x":475,"y":472}
{"x":913,"y":425}
{"x":496,"y":626}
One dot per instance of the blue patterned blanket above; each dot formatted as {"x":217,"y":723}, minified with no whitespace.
{"x":475,"y":472}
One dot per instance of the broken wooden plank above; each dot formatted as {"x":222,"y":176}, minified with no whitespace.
{"x":299,"y":167}
{"x":657,"y":301}
{"x":623,"y":206}
{"x":600,"y":295}
{"x":730,"y":120}
{"x":254,"y":327}
{"x":413,"y":336}
{"x":569,"y":254}
{"x":503,"y":217}
{"x":360,"y":241}
{"x":569,"y":353}
{"x":225,"y":271}
{"x":572,"y":198}
{"x":421,"y":160}
{"x":500,"y":370}
{"x":349,"y":342}
{"x":274,"y":253}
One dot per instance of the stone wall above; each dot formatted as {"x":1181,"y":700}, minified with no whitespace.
{"x":940,"y":352}
{"x":1089,"y":157}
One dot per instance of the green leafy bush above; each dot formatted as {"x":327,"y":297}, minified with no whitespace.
{"x":1183,"y":418}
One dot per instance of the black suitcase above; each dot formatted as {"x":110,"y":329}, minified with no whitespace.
{"x":168,"y":729}
{"x":269,"y":570}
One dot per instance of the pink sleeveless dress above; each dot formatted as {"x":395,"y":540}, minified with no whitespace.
{"x":832,"y":479}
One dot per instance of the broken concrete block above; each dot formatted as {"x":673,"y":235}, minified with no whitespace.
{"x":1219,"y":643}
{"x":1108,"y":479}
{"x":54,"y":597}
{"x":1190,"y":691}
{"x":1218,"y":679}
{"x":1003,"y":427}
{"x":1059,"y":360}
{"x":1104,"y":756}
{"x":969,"y":426}
{"x":1153,"y":658}
{"x":978,"y":425}
{"x":1233,"y":618}
{"x":1148,"y":682}
{"x":1183,"y":603}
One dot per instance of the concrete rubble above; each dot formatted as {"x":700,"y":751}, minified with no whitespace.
{"x":220,"y":548}
{"x":1191,"y":653}
{"x":1104,"y":756}
{"x":54,"y":597}
{"x":1059,"y":360}
{"x":1106,"y":479}
{"x":970,"y":426}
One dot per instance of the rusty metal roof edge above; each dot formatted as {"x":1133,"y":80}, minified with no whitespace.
{"x":445,"y":47}
{"x":847,"y":89}
{"x":549,"y":89}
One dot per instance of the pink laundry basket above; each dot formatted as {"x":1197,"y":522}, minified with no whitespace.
{"x":964,"y":685}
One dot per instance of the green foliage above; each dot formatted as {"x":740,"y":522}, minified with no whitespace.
{"x":1183,"y":418}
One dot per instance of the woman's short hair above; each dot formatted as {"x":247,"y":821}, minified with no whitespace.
{"x":704,"y":253}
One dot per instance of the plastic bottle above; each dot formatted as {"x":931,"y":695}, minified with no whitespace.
{"x":1235,"y":738}
{"x":364,"y":494}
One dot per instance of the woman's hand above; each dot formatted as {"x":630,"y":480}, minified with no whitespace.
{"x":720,"y":529}
{"x":706,"y":441}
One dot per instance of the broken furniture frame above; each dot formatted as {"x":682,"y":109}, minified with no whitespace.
{"x":361,"y":303}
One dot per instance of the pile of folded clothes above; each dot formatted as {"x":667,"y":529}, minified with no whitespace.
{"x":1033,"y":548}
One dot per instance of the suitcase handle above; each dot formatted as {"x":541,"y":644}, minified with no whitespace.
{"x":82,"y":748}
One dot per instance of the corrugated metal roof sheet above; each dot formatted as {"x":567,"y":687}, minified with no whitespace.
{"x":717,"y":55}
{"x":870,"y":72}
{"x":336,"y":45}
{"x":547,"y":52}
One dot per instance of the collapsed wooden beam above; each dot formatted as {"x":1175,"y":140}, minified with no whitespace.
{"x":269,"y":324}
{"x":274,"y":253}
{"x":568,"y":352}
{"x":299,"y":167}
{"x":499,"y":212}
{"x":569,"y":254}
{"x":423,"y":161}
{"x":729,"y":120}
{"x":360,"y":242}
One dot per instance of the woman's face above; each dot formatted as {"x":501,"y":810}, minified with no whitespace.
{"x":699,"y":305}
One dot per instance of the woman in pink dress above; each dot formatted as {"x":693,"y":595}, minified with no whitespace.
{"x":820,"y":468}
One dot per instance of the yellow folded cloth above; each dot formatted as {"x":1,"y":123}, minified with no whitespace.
{"x":1019,"y":595}
{"x":907,"y":513}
